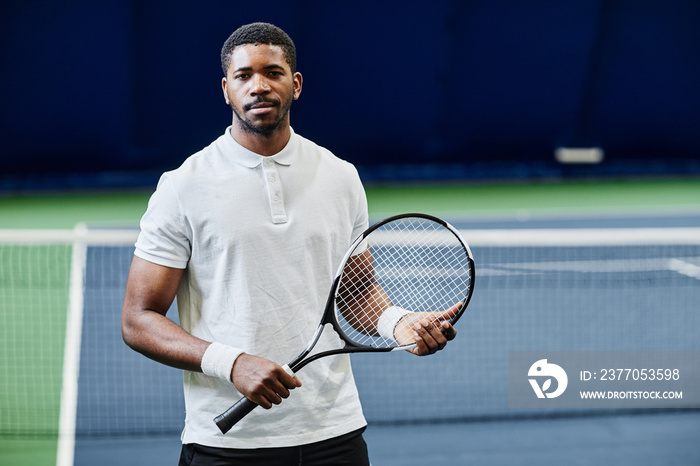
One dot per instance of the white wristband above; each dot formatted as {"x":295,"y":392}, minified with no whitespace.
{"x":218,"y":360}
{"x":388,"y":320}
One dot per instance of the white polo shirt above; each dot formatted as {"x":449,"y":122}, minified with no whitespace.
{"x":260,"y":239}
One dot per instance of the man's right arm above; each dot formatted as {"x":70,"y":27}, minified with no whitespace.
{"x":150,"y":291}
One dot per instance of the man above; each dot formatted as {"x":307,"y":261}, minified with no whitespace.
{"x":248,"y":233}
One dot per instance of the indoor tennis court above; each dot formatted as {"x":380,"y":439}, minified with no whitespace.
{"x":577,"y":296}
{"x":560,"y":139}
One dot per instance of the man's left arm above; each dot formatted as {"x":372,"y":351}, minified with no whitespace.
{"x":363,"y":301}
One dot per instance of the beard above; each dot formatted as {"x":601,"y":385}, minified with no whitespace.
{"x":262,"y":129}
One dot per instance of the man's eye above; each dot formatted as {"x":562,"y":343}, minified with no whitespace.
{"x":241,"y":76}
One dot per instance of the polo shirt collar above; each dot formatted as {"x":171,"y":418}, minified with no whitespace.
{"x":247,"y":158}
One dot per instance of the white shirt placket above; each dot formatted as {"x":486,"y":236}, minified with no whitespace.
{"x":274,"y":191}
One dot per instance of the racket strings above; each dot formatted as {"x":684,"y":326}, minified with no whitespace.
{"x":415,"y":264}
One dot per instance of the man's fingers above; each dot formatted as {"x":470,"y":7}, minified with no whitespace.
{"x":279,"y":384}
{"x":273,"y":391}
{"x":263,"y":381}
{"x":433,"y":331}
{"x":429,"y":338}
{"x":448,"y":330}
{"x":439,"y":317}
{"x":289,"y":381}
{"x":449,"y":313}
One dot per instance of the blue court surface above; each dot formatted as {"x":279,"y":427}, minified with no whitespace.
{"x":661,"y":439}
{"x":451,"y":408}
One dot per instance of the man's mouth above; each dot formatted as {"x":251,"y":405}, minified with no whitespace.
{"x":261,"y":107}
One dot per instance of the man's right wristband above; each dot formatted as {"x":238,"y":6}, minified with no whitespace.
{"x":218,"y":360}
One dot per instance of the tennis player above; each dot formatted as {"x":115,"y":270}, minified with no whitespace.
{"x":247,"y":233}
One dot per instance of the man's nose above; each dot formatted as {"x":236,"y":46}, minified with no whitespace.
{"x":259,"y":85}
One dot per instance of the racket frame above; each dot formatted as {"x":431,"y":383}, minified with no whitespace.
{"x":330,"y":316}
{"x":244,"y":406}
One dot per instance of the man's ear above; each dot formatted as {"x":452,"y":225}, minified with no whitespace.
{"x":224,"y":87}
{"x":298,"y":80}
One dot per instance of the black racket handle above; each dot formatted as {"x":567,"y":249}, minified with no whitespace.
{"x":234,"y":414}
{"x":243,"y":407}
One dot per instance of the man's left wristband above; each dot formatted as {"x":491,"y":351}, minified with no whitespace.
{"x":218,"y":360}
{"x":388,"y":320}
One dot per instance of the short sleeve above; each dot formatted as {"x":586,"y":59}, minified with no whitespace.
{"x":361,"y":222}
{"x":165,"y":236}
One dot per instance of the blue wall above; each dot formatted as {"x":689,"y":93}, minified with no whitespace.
{"x":474,"y":89}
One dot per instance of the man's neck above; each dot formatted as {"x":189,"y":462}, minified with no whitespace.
{"x":260,"y":144}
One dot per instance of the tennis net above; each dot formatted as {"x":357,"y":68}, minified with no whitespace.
{"x":545,"y":291}
{"x":66,"y":370}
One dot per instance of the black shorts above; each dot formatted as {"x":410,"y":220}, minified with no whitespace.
{"x":346,"y":450}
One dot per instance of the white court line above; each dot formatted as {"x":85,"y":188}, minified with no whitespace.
{"x":582,"y":237}
{"x":80,"y":233}
{"x":684,"y":268}
{"x":556,"y":237}
{"x":71,"y":357}
{"x":602,"y":266}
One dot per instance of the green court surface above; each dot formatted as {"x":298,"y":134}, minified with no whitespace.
{"x":29,"y":446}
{"x":35,"y":452}
{"x":64,"y":210}
{"x":33,"y":297}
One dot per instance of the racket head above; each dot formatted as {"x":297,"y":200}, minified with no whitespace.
{"x":413,"y":263}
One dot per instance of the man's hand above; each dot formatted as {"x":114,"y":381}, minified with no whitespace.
{"x":429,"y":330}
{"x":262,"y":381}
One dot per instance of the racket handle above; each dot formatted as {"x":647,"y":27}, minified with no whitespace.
{"x":234,"y":414}
{"x":241,"y":409}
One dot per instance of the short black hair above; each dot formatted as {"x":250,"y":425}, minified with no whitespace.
{"x":259,"y":33}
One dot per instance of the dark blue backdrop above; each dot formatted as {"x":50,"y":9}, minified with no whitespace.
{"x":415,"y":89}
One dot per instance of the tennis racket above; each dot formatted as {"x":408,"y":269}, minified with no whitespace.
{"x":410,"y":263}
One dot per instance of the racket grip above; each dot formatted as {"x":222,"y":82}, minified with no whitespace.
{"x":234,"y":414}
